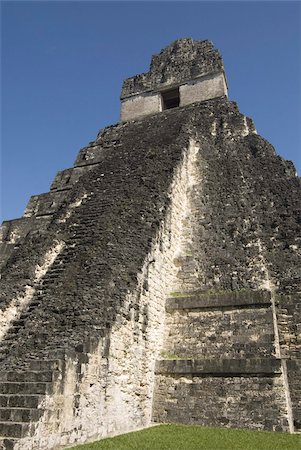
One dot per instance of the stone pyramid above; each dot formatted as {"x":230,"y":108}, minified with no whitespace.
{"x":159,"y":278}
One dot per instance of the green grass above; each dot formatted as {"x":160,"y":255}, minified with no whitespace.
{"x":183,"y":437}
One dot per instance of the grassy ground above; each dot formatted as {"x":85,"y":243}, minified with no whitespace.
{"x":176,"y":437}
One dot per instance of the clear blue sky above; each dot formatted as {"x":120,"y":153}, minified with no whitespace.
{"x":63,"y":64}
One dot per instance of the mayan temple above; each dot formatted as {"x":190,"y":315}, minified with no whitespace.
{"x":159,"y":278}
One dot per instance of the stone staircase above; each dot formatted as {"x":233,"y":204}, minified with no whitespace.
{"x":10,"y":340}
{"x":219,"y":366}
{"x":24,"y":389}
{"x":22,"y":399}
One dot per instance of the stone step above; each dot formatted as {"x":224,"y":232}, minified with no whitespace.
{"x":22,"y":321}
{"x":219,"y":300}
{"x":57,"y":268}
{"x":3,"y":353}
{"x":220,"y":367}
{"x":20,"y":401}
{"x":35,"y":303}
{"x":45,"y":282}
{"x":10,"y":387}
{"x":32,"y":307}
{"x":14,"y":429}
{"x":20,"y":414}
{"x":7,"y":444}
{"x":45,"y":364}
{"x":50,"y":275}
{"x":30,"y":376}
{"x":19,"y":323}
{"x":61,"y":259}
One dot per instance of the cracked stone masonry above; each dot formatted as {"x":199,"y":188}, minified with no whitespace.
{"x":159,"y":278}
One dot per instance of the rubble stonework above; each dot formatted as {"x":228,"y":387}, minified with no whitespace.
{"x":182,"y":61}
{"x":158,"y":280}
{"x":193,"y":68}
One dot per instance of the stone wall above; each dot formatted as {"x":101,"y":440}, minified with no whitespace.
{"x":233,"y":401}
{"x":293,"y":367}
{"x":288,"y":317}
{"x":288,"y":309}
{"x":13,"y":233}
{"x":199,"y":90}
{"x":181,"y":61}
{"x":236,"y":333}
{"x":219,"y":351}
{"x":44,"y":204}
{"x":140,"y":105}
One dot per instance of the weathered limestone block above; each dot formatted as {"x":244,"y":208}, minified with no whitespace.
{"x":44,"y":204}
{"x":294,"y":386}
{"x":220,"y":367}
{"x":89,"y":155}
{"x":238,"y":333}
{"x":288,"y":310}
{"x":13,"y":233}
{"x":67,"y":178}
{"x":226,"y":299}
{"x":6,"y":250}
{"x":199,"y":90}
{"x":140,"y":105}
{"x":242,"y":402}
{"x":14,"y":230}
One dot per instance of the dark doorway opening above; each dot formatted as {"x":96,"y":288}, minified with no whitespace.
{"x":170,"y":99}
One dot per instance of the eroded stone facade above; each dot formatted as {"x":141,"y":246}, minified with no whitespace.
{"x":159,"y":278}
{"x":195,"y":68}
